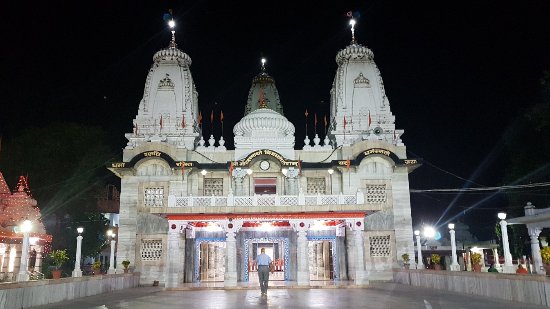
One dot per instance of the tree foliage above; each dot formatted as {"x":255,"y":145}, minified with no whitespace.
{"x":65,"y":165}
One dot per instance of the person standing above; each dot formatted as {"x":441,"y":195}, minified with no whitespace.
{"x":264,"y":262}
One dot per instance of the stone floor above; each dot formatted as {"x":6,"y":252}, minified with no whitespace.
{"x":377,"y":295}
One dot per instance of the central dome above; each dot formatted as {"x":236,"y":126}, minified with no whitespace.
{"x":264,"y":120}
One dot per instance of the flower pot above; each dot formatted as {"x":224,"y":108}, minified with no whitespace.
{"x":547,"y":269}
{"x":126,"y":270}
{"x":56,"y":274}
{"x":97,"y":271}
{"x":477,"y":268}
{"x":407,"y":266}
{"x":437,"y":267}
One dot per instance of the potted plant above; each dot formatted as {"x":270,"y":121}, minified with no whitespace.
{"x":406,"y":259}
{"x":545,"y":254}
{"x":97,"y":267}
{"x":125,"y":263}
{"x":59,"y":257}
{"x":436,"y":260}
{"x":476,"y":261}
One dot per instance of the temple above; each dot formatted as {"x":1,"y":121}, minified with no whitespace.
{"x":192,"y":210}
{"x":15,"y":208}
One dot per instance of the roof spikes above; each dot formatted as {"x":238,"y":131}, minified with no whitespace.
{"x":263,"y":64}
{"x":352,"y":24}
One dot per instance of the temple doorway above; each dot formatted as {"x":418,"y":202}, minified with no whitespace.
{"x":211,"y":261}
{"x":276,"y":248}
{"x":321,"y":260}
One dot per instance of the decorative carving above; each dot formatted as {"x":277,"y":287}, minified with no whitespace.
{"x":166,"y":83}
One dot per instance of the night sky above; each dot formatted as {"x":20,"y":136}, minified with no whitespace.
{"x":457,"y":73}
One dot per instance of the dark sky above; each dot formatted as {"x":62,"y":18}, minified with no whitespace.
{"x":457,"y":73}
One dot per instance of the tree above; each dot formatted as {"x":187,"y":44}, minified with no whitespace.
{"x":65,"y":165}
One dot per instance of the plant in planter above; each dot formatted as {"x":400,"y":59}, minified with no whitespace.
{"x":476,"y":261}
{"x":406,"y":260}
{"x":59,"y":257}
{"x":545,"y":254}
{"x":125,"y":263}
{"x":436,"y":260}
{"x":97,"y":267}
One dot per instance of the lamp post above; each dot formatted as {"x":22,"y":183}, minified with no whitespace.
{"x":508,"y":266}
{"x":112,"y":236}
{"x":454,"y":264}
{"x":420,"y":264}
{"x":77,"y":272}
{"x":330,"y":171}
{"x":25,"y":228}
{"x":203,"y":173}
{"x":249,"y":172}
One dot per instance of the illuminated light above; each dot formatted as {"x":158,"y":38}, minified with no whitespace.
{"x":33,"y":240}
{"x":80,"y":230}
{"x":249,"y":171}
{"x":330,"y":171}
{"x":352,"y":22}
{"x":451,"y":226}
{"x":429,"y":232}
{"x":203,"y":172}
{"x":501,"y":215}
{"x":213,"y":227}
{"x":172,"y":23}
{"x":109,"y":233}
{"x":437,"y":235}
{"x":284,"y":171}
{"x":266,"y":226}
{"x":26,"y":226}
{"x":263,"y":61}
{"x":417,"y":232}
{"x":320,"y":226}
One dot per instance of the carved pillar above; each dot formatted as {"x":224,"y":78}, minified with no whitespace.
{"x":535,"y":249}
{"x":301,"y":227}
{"x":292,"y":181}
{"x":238,"y":176}
{"x":231,"y":228}
{"x":497,"y":259}
{"x":508,"y":266}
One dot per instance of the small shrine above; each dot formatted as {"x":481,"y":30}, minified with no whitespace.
{"x":16,"y":207}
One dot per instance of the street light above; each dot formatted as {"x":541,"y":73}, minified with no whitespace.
{"x":112,"y":269}
{"x":508,"y":266}
{"x":420,"y":264}
{"x":77,"y":272}
{"x":454,"y":264}
{"x":249,"y":172}
{"x":330,"y":172}
{"x":26,"y":227}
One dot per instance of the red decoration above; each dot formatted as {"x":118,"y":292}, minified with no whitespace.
{"x":302,"y":224}
{"x":358,"y":223}
{"x":173,"y":226}
{"x":230,"y":225}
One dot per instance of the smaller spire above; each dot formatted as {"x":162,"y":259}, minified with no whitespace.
{"x":263,"y":65}
{"x":352,"y":24}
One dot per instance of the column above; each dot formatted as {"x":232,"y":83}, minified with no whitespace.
{"x":231,"y":229}
{"x":292,"y":181}
{"x":497,"y":259}
{"x":174,"y":258}
{"x":454,"y":263}
{"x":360,"y":273}
{"x":303,"y":258}
{"x":77,"y":272}
{"x":508,"y":266}
{"x":420,"y":264}
{"x":535,"y":250}
{"x":23,"y":265}
{"x":112,"y":269}
{"x":238,"y":176}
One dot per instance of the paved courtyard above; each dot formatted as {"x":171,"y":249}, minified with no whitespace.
{"x":378,"y":295}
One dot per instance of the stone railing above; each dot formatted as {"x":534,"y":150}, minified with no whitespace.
{"x":267,"y":200}
{"x":27,"y":294}
{"x":531,"y":289}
